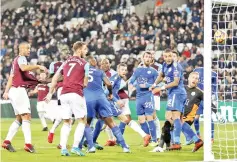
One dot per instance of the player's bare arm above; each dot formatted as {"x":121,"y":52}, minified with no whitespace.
{"x":8,"y":86}
{"x":32,"y":92}
{"x":109,"y":86}
{"x":32,"y":67}
{"x":159,"y":79}
{"x":53,"y":86}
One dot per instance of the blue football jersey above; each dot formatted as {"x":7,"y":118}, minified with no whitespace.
{"x":117,"y":83}
{"x":200,"y":70}
{"x":94,"y":89}
{"x":143,"y":75}
{"x":171,"y":71}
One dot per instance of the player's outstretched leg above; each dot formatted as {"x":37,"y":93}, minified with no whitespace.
{"x":11,"y":133}
{"x":196,"y":125}
{"x":117,"y":133}
{"x":188,"y":130}
{"x":98,"y":126}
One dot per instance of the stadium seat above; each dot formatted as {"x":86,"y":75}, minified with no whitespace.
{"x":180,"y":47}
{"x":190,"y":45}
{"x":158,"y":54}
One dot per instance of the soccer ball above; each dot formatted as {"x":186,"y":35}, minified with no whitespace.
{"x":220,"y":36}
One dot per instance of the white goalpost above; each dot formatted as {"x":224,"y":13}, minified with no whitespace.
{"x":221,"y":58}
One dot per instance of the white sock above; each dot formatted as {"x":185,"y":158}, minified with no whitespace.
{"x":12,"y":130}
{"x":42,"y":119}
{"x":65,"y":131}
{"x":55,"y":125}
{"x":79,"y":132}
{"x":157,"y":123}
{"x":26,"y":131}
{"x":110,"y":133}
{"x":136,"y":128}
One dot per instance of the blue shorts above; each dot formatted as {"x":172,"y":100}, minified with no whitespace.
{"x":99,"y":108}
{"x":200,"y":109}
{"x":145,"y":105}
{"x":115,"y":110}
{"x":176,"y":102}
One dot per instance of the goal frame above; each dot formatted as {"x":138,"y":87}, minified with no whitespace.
{"x":208,"y":156}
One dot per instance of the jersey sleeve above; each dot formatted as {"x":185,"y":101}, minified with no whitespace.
{"x":60,"y":69}
{"x":86,"y":68}
{"x":133,"y":77}
{"x":176,"y":71}
{"x":51,"y":68}
{"x":22,"y":60}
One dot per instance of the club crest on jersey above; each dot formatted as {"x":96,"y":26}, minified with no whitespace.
{"x":169,"y":70}
{"x":193,"y":94}
{"x":149,"y":72}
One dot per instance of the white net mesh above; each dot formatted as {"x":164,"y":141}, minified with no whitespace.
{"x":224,"y":62}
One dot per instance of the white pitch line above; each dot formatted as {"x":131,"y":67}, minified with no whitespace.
{"x":42,"y":147}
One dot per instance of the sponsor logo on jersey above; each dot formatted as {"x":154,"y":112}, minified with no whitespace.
{"x":149,"y":72}
{"x":193,"y":94}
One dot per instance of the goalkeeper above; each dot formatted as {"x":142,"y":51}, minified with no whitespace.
{"x":200,"y":70}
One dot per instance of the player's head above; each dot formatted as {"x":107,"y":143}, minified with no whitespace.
{"x":168,"y":56}
{"x":43,"y":76}
{"x":147,"y":58}
{"x":80,"y":49}
{"x":193,"y":79}
{"x":152,"y":57}
{"x":122,"y":69}
{"x":175,"y":56}
{"x":105,"y":64}
{"x":24,"y":49}
{"x":92,"y":61}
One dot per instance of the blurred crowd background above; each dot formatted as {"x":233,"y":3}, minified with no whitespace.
{"x":112,"y":29}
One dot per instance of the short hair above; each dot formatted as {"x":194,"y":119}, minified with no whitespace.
{"x":104,"y":60}
{"x":122,"y":64}
{"x":22,"y":44}
{"x":78,"y":45}
{"x":167,"y":50}
{"x":89,"y":57}
{"x":147,"y":52}
{"x":176,"y":52}
{"x":193,"y":73}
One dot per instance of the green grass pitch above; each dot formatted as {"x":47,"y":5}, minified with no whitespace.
{"x":49,"y":153}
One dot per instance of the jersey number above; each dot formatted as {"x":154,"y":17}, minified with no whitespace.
{"x":90,"y":76}
{"x":72,"y":65}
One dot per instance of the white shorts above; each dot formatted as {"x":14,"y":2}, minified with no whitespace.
{"x":42,"y":106}
{"x":126,"y":110}
{"x":157,"y":102}
{"x":20,"y":100}
{"x":72,"y":103}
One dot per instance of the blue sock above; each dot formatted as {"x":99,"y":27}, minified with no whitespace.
{"x":196,"y":126}
{"x":172,"y":136}
{"x":122,"y":126}
{"x":152,"y":127}
{"x":89,"y":137}
{"x":187,"y":137}
{"x":212,"y":129}
{"x":81,"y":143}
{"x":96,"y":132}
{"x":188,"y":130}
{"x":117,"y":133}
{"x":145,"y":127}
{"x":177,"y":131}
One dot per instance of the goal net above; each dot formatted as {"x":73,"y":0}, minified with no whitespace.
{"x":222,"y":59}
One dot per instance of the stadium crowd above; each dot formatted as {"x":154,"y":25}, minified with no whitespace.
{"x":44,"y":25}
